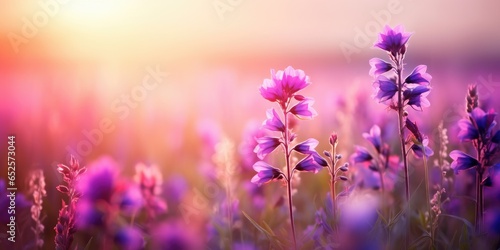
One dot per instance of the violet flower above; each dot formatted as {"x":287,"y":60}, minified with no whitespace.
{"x":282,"y":88}
{"x":477,"y":129}
{"x":398,"y":92}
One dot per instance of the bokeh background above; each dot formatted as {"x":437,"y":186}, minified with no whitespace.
{"x":79,"y":62}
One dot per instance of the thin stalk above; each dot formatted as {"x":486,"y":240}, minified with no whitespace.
{"x":479,"y":191}
{"x":427,"y":196}
{"x":289,"y":178}
{"x":403,"y":147}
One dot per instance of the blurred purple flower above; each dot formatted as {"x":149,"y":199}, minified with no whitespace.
{"x":462,"y":161}
{"x":265,"y":173}
{"x":90,"y":214}
{"x":129,"y":198}
{"x":379,"y":66}
{"x":283,"y":85}
{"x":420,"y":150}
{"x":307,"y":147}
{"x":374,"y":137}
{"x":129,"y":238}
{"x":393,"y":40}
{"x":266,"y":145}
{"x":386,"y":88}
{"x":420,"y":144}
{"x":273,"y":121}
{"x":478,"y":125}
{"x":304,"y":109}
{"x":361,"y":155}
{"x":419,"y":76}
{"x":416,"y":97}
{"x":308,"y":164}
{"x":100,"y":180}
{"x":175,"y":236}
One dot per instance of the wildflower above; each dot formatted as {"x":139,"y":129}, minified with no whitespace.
{"x":265,"y":173}
{"x":174,"y":236}
{"x":282,"y":89}
{"x":416,"y":97}
{"x":462,"y":161}
{"x":283,"y":85}
{"x":393,"y":40}
{"x":419,"y":76}
{"x":308,"y":164}
{"x":386,"y":88}
{"x":304,"y":109}
{"x":150,"y":179}
{"x":379,"y":66}
{"x":361,"y":155}
{"x":129,"y":238}
{"x":273,"y":121}
{"x":65,"y":227}
{"x":374,"y":137}
{"x":307,"y":147}
{"x":478,"y":125}
{"x":420,"y":144}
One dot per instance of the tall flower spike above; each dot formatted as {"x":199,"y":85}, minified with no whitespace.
{"x":65,"y":227}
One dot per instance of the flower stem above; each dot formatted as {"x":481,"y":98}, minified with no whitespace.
{"x":479,"y":190}
{"x":289,"y":177}
{"x":403,"y":147}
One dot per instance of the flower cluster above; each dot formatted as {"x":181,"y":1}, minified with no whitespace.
{"x":283,"y":88}
{"x":390,"y":87}
{"x":375,"y":165}
{"x":478,"y":129}
{"x":65,"y":228}
{"x":37,"y":189}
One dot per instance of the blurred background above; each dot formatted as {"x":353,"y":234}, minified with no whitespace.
{"x":72,"y":72}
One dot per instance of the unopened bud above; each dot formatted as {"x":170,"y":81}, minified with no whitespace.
{"x":333,"y":139}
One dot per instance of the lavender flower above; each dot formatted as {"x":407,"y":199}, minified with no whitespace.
{"x":129,"y":238}
{"x":65,"y":227}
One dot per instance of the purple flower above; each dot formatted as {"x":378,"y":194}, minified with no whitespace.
{"x":283,"y":85}
{"x":273,"y":121}
{"x":416,"y":97}
{"x":129,"y":238}
{"x":266,"y":145}
{"x":307,"y":147}
{"x":419,"y":76}
{"x":304,"y":109}
{"x":420,"y":150}
{"x":99,"y":182}
{"x":420,"y":143}
{"x":479,"y":124}
{"x":318,"y":159}
{"x":361,"y":155}
{"x":374,"y":137}
{"x":308,"y":164}
{"x":386,"y":88}
{"x":462,"y":161}
{"x":393,"y":40}
{"x":379,"y":66}
{"x":265,"y":173}
{"x":176,"y":236}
